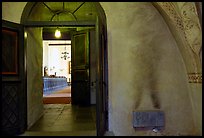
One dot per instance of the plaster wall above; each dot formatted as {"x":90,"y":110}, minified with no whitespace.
{"x":179,"y":16}
{"x":45,"y":56}
{"x":52,"y":58}
{"x":196,"y":100}
{"x":34,"y":75}
{"x":146,"y":70}
{"x":12,"y":11}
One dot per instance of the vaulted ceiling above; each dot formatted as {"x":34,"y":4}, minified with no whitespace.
{"x":62,"y":11}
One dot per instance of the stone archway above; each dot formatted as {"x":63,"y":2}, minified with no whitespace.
{"x":185,"y":26}
{"x":39,"y":14}
{"x":185,"y":23}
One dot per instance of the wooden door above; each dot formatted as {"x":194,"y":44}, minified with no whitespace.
{"x":101,"y":77}
{"x":13,"y":94}
{"x":80,"y":87}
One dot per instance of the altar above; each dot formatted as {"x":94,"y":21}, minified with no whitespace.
{"x":51,"y":84}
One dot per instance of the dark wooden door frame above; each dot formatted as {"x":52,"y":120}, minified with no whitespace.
{"x":80,"y":86}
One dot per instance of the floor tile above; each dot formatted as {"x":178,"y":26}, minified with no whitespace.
{"x":67,"y":119}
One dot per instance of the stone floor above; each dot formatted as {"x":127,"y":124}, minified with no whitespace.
{"x":65,"y":120}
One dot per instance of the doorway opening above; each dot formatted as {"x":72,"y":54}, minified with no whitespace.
{"x":86,"y":74}
{"x":56,"y":66}
{"x":66,"y":116}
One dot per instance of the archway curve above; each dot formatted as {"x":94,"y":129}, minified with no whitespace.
{"x":46,"y":11}
{"x":34,"y":17}
{"x":177,"y":20}
{"x":177,"y":26}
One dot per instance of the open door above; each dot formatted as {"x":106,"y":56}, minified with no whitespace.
{"x":13,"y":94}
{"x":80,"y":87}
{"x":101,"y":77}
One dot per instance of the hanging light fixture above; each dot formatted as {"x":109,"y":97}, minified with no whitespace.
{"x":57,"y":31}
{"x":65,"y":54}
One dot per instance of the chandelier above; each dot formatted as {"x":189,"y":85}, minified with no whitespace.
{"x":65,"y":54}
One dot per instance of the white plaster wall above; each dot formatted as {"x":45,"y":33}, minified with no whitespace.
{"x":45,"y":55}
{"x":196,"y":100}
{"x":144,"y":59}
{"x":12,"y":11}
{"x":52,"y":57}
{"x":34,"y":75}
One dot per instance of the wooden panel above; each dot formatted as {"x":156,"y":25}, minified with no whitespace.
{"x":10,"y":105}
{"x":13,"y":94}
{"x":80,"y":49}
{"x":80,"y":75}
{"x":101,"y":79}
{"x":9,"y":51}
{"x":80,"y":69}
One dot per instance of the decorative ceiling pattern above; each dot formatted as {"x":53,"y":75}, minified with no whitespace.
{"x":195,"y":77}
{"x":184,"y":18}
{"x":63,"y":11}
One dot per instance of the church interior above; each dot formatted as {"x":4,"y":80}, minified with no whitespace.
{"x":101,"y":69}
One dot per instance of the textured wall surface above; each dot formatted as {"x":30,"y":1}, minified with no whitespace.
{"x":12,"y":11}
{"x":34,"y":75}
{"x":184,"y":23}
{"x":146,"y":70}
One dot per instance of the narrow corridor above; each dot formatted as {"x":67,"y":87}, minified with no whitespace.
{"x":65,"y":120}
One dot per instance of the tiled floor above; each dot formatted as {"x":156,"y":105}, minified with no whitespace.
{"x":65,"y":120}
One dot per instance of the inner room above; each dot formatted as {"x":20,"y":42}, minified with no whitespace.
{"x":56,"y":66}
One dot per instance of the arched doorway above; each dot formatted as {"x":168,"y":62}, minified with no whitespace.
{"x":37,"y":15}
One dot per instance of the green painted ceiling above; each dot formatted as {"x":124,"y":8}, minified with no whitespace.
{"x":62,"y":11}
